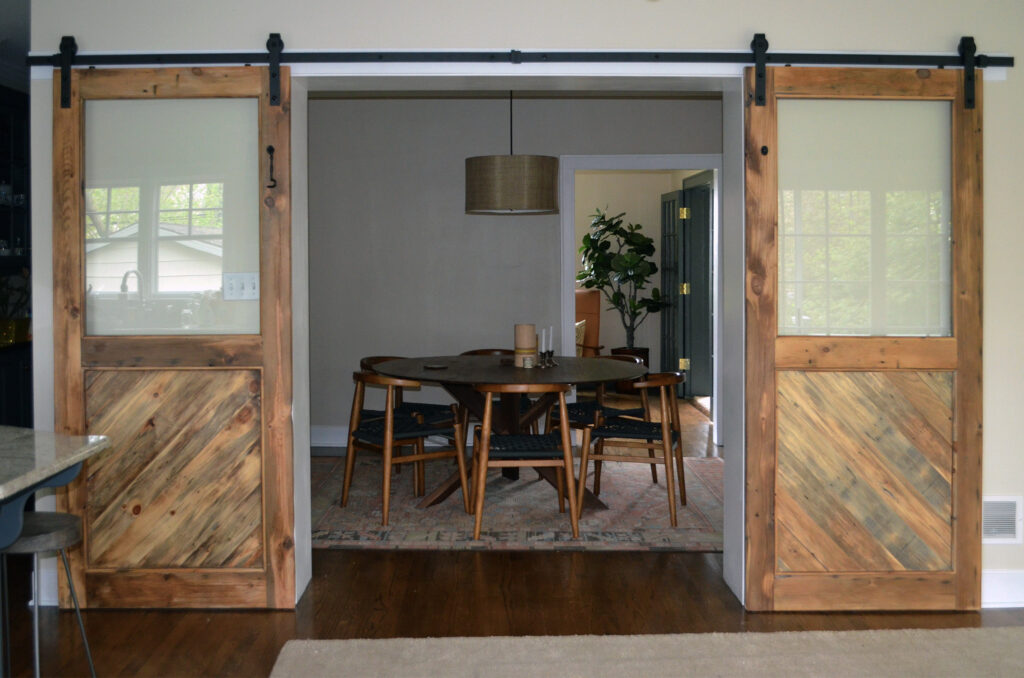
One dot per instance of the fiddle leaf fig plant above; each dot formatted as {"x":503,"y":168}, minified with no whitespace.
{"x":615,"y":260}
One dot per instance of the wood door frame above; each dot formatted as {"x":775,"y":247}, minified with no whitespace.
{"x":270,"y":351}
{"x":961,"y":352}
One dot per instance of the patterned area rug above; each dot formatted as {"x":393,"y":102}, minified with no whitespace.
{"x":518,"y":515}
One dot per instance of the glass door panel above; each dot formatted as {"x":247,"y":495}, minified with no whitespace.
{"x":171,"y":217}
{"x":864,"y":217}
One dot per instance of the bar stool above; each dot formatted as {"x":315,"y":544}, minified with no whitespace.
{"x":44,"y":532}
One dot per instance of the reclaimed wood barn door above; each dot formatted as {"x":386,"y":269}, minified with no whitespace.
{"x":172,"y":323}
{"x":863,"y":360}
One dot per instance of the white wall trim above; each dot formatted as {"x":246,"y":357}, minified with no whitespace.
{"x":328,"y":436}
{"x":1002,"y":588}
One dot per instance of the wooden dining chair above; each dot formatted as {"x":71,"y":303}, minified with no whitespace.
{"x":393,"y":431}
{"x":431,"y":412}
{"x":524,"y":403}
{"x":586,"y":412}
{"x":493,"y":450}
{"x":591,"y":412}
{"x":665,"y":436}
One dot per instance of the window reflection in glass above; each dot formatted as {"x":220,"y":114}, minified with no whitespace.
{"x":171,"y":214}
{"x":864,"y":218}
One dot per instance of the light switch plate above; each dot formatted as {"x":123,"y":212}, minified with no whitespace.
{"x":241,"y":286}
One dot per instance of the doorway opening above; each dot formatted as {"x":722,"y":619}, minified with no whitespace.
{"x":541,"y":236}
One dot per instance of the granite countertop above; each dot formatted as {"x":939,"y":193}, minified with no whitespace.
{"x":28,"y":456}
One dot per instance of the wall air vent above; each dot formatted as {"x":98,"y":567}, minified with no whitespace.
{"x":1001,"y":520}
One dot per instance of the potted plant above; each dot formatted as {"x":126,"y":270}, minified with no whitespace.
{"x":615,"y":259}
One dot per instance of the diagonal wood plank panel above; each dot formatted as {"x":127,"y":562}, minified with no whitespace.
{"x":864,"y":469}
{"x":181,"y":485}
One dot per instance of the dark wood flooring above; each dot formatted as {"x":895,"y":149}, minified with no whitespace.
{"x":365,"y":594}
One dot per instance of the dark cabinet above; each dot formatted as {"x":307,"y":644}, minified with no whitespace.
{"x":15,"y":232}
{"x":15,"y":244}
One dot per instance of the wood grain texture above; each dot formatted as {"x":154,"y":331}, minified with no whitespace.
{"x":866,"y":83}
{"x":173,"y":351}
{"x":176,"y":588}
{"x":68,"y":293}
{"x":180,"y":485}
{"x":169,"y":83}
{"x":870,"y":353}
{"x":276,"y":321}
{"x":890,"y":591}
{"x":864,"y":470}
{"x":761,"y":285}
{"x":967,"y":327}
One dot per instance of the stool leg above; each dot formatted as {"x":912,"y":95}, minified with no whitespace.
{"x":78,"y":613}
{"x":5,"y":621}
{"x":35,"y":614}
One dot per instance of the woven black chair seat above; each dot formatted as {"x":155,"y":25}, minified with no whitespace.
{"x":544,"y":446}
{"x":405,"y":428}
{"x":631,"y":429}
{"x":432,"y":413}
{"x":582,"y":412}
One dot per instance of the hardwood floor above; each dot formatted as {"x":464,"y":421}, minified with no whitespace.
{"x":366,"y":594}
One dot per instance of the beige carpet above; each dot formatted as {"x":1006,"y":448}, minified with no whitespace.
{"x":988,"y":652}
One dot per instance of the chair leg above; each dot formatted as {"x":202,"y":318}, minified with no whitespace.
{"x":35,"y":614}
{"x":584,"y":457}
{"x":599,"y":449}
{"x":560,"y":479}
{"x":386,"y":483}
{"x":681,"y":471}
{"x":666,"y":447}
{"x":5,"y":621}
{"x":474,"y":462}
{"x":479,"y":488}
{"x":573,"y":515}
{"x":421,"y":483}
{"x":460,"y":459}
{"x":654,"y":467}
{"x":78,"y":612}
{"x":350,"y":466}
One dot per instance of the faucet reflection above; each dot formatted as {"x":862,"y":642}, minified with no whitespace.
{"x":139,"y":279}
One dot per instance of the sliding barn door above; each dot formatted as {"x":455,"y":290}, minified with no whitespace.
{"x":863,"y":341}
{"x":173,"y":333}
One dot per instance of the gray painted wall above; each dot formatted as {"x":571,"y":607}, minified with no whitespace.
{"x":395,"y":265}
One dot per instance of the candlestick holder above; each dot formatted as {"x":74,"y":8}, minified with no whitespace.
{"x":547,"y":359}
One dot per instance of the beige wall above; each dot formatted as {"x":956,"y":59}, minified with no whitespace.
{"x":637,"y":193}
{"x":398,"y":268}
{"x":791,"y":25}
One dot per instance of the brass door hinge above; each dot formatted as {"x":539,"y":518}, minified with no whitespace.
{"x":684,"y":364}
{"x":684,"y":288}
{"x":684,"y":212}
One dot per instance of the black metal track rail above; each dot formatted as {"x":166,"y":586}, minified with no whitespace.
{"x":966,"y":57}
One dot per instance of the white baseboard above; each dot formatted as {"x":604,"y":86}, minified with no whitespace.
{"x":1002,"y":588}
{"x":328,"y":436}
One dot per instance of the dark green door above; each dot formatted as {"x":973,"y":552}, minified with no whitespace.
{"x":686,"y":273}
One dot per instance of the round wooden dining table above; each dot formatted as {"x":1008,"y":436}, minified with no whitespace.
{"x":458,"y":373}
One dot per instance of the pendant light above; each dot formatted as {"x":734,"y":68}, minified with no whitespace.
{"x":512,"y":184}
